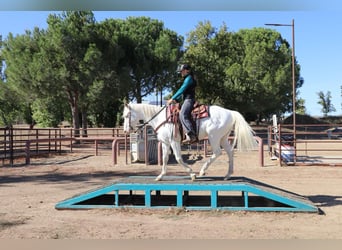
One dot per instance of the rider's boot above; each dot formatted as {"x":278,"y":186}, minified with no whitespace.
{"x":190,"y":138}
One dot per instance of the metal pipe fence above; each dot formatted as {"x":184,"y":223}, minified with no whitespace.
{"x":319,"y":144}
{"x":22,"y":143}
{"x":316,"y":144}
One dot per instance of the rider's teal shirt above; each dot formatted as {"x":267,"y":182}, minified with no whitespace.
{"x":187,"y":83}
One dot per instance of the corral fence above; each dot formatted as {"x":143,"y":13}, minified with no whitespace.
{"x":318,"y":144}
{"x":22,"y":143}
{"x":19,"y":144}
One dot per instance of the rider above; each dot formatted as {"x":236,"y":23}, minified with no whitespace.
{"x":187,"y":91}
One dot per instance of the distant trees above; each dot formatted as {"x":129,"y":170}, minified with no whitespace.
{"x":81,"y":70}
{"x":151,"y":54}
{"x":249,"y":71}
{"x":325,"y":102}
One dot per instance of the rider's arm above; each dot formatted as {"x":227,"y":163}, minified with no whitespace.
{"x":187,"y":82}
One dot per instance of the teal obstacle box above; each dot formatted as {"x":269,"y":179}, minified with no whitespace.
{"x":205,"y":193}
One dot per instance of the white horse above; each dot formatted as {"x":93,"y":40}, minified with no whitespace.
{"x":216,"y":128}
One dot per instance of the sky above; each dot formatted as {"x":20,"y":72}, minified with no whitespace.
{"x":317,"y":36}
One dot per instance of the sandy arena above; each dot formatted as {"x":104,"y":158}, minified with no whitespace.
{"x":29,"y":195}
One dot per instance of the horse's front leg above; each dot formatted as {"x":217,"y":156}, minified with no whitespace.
{"x":166,"y":151}
{"x":178,"y":155}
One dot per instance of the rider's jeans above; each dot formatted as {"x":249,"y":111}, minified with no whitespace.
{"x":185,"y":115}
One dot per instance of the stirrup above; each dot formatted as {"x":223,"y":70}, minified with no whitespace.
{"x":194,"y":139}
{"x":190,"y":139}
{"x":187,"y":139}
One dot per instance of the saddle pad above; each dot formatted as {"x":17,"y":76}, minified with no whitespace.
{"x":201,"y":111}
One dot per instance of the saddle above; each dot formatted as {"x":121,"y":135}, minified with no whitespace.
{"x":198,"y":112}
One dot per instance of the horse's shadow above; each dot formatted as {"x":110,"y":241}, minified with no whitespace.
{"x":187,"y":158}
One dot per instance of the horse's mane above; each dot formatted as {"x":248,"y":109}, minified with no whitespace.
{"x":147,"y":109}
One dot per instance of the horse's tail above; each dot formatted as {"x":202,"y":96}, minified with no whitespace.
{"x":243,"y":133}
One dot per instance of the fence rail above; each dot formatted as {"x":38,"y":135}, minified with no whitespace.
{"x":318,"y":144}
{"x":18,"y":143}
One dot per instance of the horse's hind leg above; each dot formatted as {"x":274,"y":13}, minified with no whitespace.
{"x":229,"y":150}
{"x":216,"y":153}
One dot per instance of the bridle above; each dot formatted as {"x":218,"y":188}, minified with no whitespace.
{"x":141,"y":126}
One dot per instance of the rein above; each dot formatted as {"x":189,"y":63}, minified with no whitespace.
{"x":154,"y":116}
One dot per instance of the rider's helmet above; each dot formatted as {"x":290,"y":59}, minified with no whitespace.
{"x":182,"y":67}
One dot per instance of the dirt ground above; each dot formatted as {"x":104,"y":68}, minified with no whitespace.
{"x":29,"y":194}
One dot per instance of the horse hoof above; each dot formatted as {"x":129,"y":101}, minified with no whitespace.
{"x":158,"y":178}
{"x":202,"y":174}
{"x":193,"y":177}
{"x":227,"y":177}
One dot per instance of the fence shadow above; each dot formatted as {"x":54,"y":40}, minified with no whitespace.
{"x":326,"y":200}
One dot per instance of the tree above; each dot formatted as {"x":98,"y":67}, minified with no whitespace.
{"x":151,"y":55}
{"x":1,"y":61}
{"x":17,"y":52}
{"x":300,"y":108}
{"x":249,"y":71}
{"x":50,"y":111}
{"x":69,"y":47}
{"x":207,"y":51}
{"x":63,"y":64}
{"x":325,"y":102}
{"x":267,"y":65}
{"x":93,"y":66}
{"x":9,"y":105}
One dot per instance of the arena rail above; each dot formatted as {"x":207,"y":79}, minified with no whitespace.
{"x":18,"y":142}
{"x":28,"y":146}
{"x":316,"y":144}
{"x":116,"y":149}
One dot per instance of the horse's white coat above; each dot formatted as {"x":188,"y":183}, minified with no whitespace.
{"x":217,"y":127}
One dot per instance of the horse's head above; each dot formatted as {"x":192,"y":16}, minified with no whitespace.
{"x":130,"y":118}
